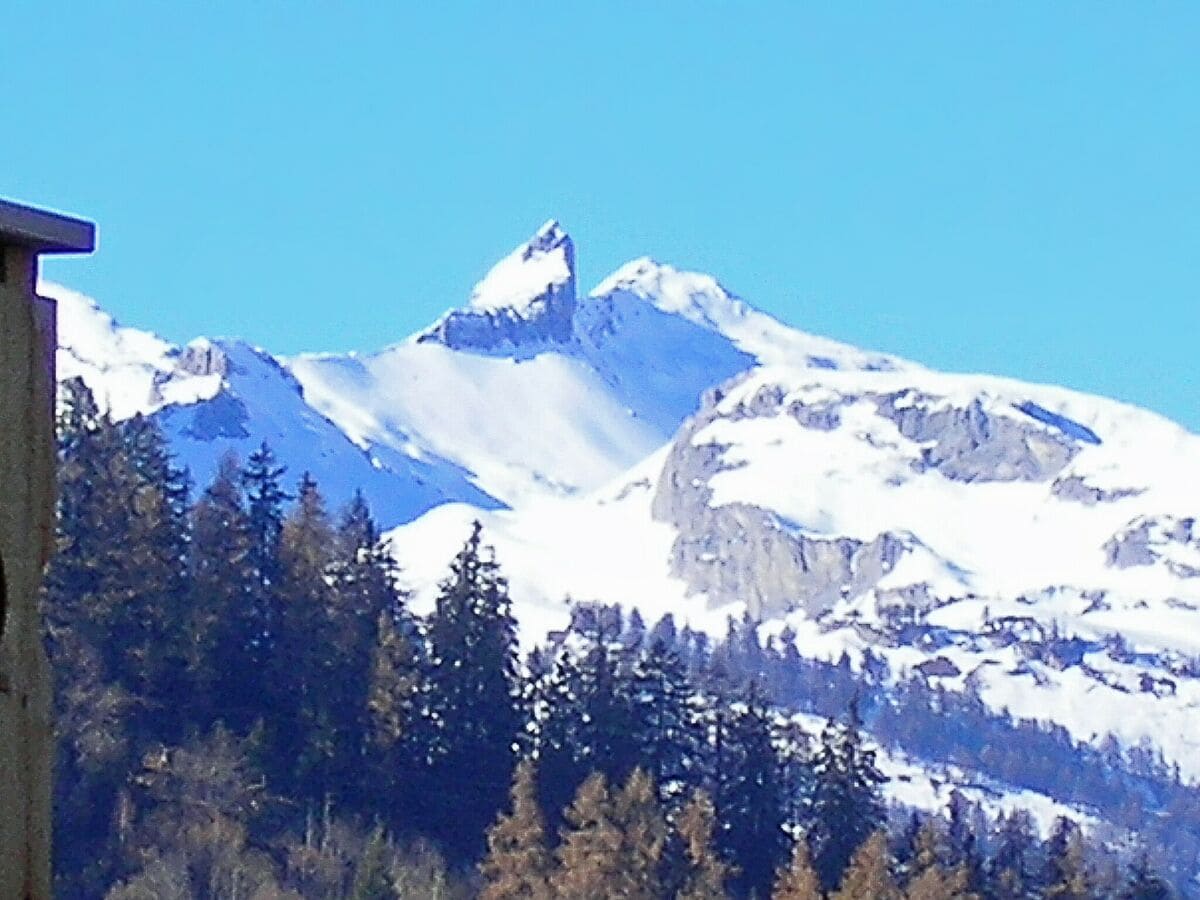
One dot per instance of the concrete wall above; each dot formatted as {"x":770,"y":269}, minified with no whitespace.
{"x":27,"y":341}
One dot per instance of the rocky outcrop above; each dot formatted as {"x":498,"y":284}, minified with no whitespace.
{"x":1075,"y":489}
{"x":542,"y":319}
{"x":203,"y":358}
{"x":1148,"y":540}
{"x":738,"y":552}
{"x":547,"y":321}
{"x":970,"y":444}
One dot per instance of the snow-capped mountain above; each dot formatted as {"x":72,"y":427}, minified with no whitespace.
{"x":539,"y":392}
{"x":660,"y":443}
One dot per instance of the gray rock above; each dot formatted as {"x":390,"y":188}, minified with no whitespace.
{"x":1075,"y":489}
{"x":203,"y":359}
{"x":971,"y":445}
{"x":740,"y":552}
{"x":1139,"y":543}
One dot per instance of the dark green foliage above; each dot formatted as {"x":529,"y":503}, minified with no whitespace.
{"x":245,"y":707}
{"x":473,"y":700}
{"x":750,"y":798}
{"x":846,"y":804}
{"x":222,"y":580}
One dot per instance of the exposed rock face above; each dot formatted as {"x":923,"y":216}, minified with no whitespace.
{"x":546,"y":321}
{"x":971,"y":445}
{"x":526,"y":304}
{"x":1150,"y":539}
{"x":740,"y":552}
{"x":1074,"y":488}
{"x":203,"y":358}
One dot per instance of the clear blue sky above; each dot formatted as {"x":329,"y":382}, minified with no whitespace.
{"x":1009,"y":187}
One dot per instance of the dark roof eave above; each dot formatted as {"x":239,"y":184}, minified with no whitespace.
{"x":44,"y":232}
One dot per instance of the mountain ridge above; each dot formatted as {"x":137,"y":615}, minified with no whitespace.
{"x":1029,"y":542}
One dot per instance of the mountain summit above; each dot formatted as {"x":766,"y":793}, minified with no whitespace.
{"x":525,"y":302}
{"x":661,"y":444}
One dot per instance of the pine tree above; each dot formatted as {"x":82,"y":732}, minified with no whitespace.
{"x":706,"y":874}
{"x":868,"y":877}
{"x":364,"y":594}
{"x":220,"y":579}
{"x":248,"y":635}
{"x":798,"y":881}
{"x":518,"y":864}
{"x":398,"y":741}
{"x":664,"y":732}
{"x":473,"y":699}
{"x":846,"y":805}
{"x":751,"y":800}
{"x":300,"y":732}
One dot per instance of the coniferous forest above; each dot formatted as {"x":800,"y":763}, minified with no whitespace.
{"x":247,"y":708}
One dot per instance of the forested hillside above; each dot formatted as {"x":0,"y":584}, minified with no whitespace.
{"x":248,"y":708}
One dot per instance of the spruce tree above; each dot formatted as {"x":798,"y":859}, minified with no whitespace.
{"x":94,"y":750}
{"x":473,"y":699}
{"x":303,"y":662}
{"x":868,"y":877}
{"x":220,"y":580}
{"x":965,"y":821}
{"x":518,"y":863}
{"x":846,"y":804}
{"x":250,"y":633}
{"x":562,"y":733}
{"x":363,"y":593}
{"x":705,"y":873}
{"x":266,"y":497}
{"x":751,"y":800}
{"x":145,"y":563}
{"x":665,"y":734}
{"x":398,"y":741}
{"x":798,"y":880}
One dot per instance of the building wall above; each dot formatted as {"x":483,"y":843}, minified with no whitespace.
{"x":27,"y":341}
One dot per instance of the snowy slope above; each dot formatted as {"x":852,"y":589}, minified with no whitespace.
{"x":224,"y":396}
{"x":1033,"y":542}
{"x":540,"y":392}
{"x":659,"y":443}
